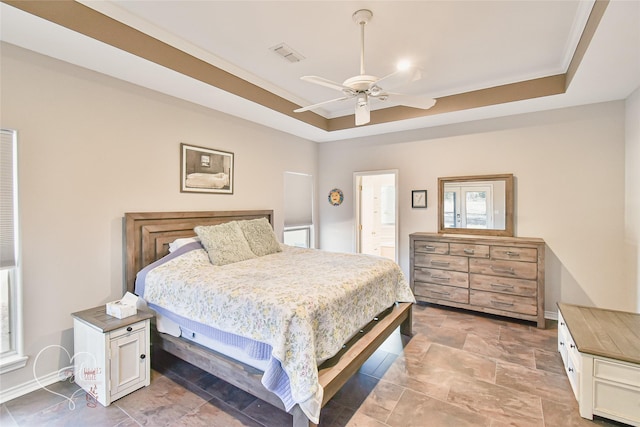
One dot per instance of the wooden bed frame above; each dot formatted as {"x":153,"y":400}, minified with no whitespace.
{"x":148,"y":235}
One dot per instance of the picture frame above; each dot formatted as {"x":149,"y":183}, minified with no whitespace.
{"x":419,"y":199}
{"x":205,"y":170}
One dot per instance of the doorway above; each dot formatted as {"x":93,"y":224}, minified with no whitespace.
{"x":376,"y":213}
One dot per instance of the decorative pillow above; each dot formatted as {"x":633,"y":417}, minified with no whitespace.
{"x":224,"y":243}
{"x":178,"y":243}
{"x":262,"y":240}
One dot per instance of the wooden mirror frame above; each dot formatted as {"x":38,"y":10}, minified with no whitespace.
{"x":509,"y":205}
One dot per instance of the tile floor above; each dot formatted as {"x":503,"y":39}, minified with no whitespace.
{"x":459,"y":369}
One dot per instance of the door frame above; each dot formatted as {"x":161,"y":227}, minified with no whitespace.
{"x":357,"y":205}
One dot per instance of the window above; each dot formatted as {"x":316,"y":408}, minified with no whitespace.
{"x":10,"y":342}
{"x":298,"y":210}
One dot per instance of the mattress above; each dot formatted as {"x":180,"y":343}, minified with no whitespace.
{"x":182,"y":328}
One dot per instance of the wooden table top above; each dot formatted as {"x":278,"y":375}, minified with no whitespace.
{"x":98,"y":318}
{"x":601,"y":332}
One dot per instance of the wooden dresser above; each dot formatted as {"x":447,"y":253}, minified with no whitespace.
{"x":497,"y":275}
{"x":600,"y":350}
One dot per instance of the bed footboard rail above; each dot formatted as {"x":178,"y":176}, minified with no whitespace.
{"x":333,"y":374}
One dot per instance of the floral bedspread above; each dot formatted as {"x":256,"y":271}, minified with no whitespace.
{"x":304,"y":303}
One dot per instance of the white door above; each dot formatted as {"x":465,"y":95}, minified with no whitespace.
{"x":376,"y":217}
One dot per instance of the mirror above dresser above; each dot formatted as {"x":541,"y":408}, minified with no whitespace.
{"x":479,"y":204}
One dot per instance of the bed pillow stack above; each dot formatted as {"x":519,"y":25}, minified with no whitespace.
{"x":238,"y":240}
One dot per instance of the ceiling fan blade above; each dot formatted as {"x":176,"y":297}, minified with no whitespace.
{"x":324,"y":82}
{"x":314,"y":106}
{"x":398,"y":78}
{"x":422,"y":102}
{"x":363,"y":115}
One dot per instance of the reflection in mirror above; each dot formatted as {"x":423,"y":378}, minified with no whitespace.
{"x":476,"y":205}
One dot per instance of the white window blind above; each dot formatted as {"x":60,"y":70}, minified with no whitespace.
{"x":7,"y":208}
{"x":298,"y":199}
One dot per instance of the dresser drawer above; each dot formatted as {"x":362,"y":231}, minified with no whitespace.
{"x":127,"y":330}
{"x":444,"y":262}
{"x":514,"y":253}
{"x":563,"y":334}
{"x":441,"y":277}
{"x":438,"y":292}
{"x":618,"y":372}
{"x":431,"y":247}
{"x":514,"y":269}
{"x":504,"y":302}
{"x":505,"y":285}
{"x":572,"y":368}
{"x":479,"y":251}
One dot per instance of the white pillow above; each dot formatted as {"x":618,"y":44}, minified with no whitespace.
{"x":224,"y":243}
{"x":260,"y":236}
{"x":178,"y":243}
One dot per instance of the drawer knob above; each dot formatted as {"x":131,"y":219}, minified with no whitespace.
{"x":142,"y":356}
{"x":129,"y":329}
{"x":570,"y":369}
{"x":561,"y":343}
{"x":469,"y":251}
{"x":572,"y":346}
{"x":511,"y":253}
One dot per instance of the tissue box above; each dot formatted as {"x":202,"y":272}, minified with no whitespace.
{"x":121,"y":309}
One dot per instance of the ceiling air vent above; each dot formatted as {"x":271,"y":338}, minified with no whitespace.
{"x":287,"y":53}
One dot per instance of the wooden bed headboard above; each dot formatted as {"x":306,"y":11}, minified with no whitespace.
{"x":148,"y":234}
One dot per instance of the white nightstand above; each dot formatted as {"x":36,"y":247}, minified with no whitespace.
{"x":112,"y":356}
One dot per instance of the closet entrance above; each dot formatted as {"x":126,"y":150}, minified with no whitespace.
{"x":376,"y":213}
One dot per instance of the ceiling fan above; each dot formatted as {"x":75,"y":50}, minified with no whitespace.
{"x":363,"y":87}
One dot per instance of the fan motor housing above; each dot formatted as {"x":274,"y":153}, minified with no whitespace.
{"x":360,"y":83}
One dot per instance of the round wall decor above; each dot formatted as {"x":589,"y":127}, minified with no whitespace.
{"x":336,"y":197}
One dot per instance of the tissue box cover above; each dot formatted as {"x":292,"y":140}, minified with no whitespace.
{"x":120,"y":310}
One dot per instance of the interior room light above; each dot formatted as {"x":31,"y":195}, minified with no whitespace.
{"x":403,"y":65}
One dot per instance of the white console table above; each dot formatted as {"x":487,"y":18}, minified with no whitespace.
{"x":601,"y":353}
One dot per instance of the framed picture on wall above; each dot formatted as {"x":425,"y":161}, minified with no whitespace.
{"x":419,"y":198}
{"x":205,"y":170}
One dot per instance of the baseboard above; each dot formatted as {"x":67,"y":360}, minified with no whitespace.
{"x":33,"y":385}
{"x":553,"y":315}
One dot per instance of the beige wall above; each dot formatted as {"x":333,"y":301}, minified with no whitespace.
{"x":92,"y":148}
{"x":632,"y":192}
{"x":569,"y":167}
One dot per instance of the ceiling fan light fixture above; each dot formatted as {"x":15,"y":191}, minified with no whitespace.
{"x":362,"y":100}
{"x":362,"y":110}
